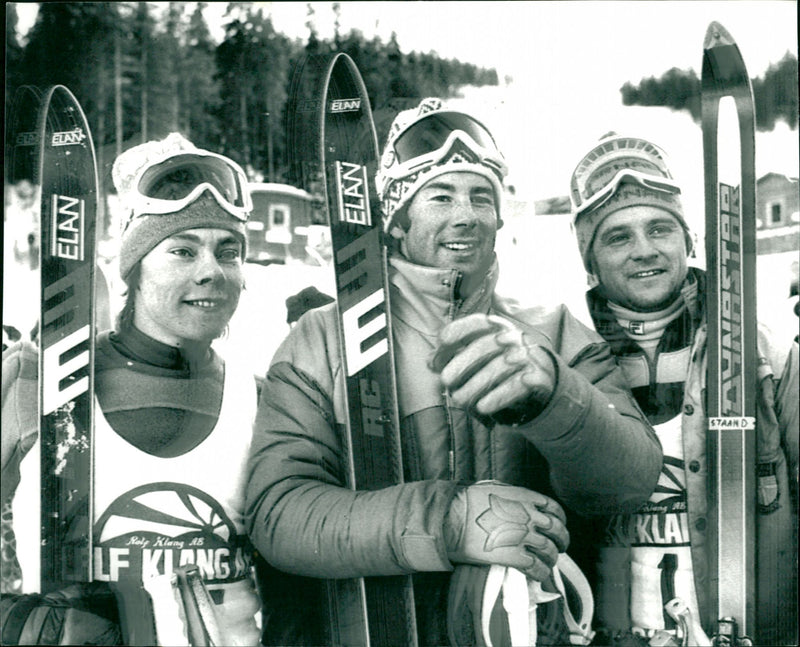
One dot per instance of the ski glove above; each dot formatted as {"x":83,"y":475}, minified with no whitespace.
{"x":492,"y":367}
{"x":494,"y":523}
{"x":81,"y":614}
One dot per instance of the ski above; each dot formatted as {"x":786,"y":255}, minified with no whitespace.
{"x":22,"y":137}
{"x":70,"y":279}
{"x":728,"y":124}
{"x":335,"y":151}
{"x":68,"y":180}
{"x":19,"y":168}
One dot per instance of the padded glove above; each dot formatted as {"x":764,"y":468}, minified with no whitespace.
{"x":494,"y":523}
{"x":492,"y":367}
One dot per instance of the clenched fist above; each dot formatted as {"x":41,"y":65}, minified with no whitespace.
{"x":490,"y":366}
{"x":494,"y":523}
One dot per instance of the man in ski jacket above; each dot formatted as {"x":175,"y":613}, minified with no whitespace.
{"x":650,"y":306}
{"x":173,"y":420}
{"x":500,"y":410}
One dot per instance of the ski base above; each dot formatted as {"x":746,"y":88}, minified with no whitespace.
{"x":336,"y":154}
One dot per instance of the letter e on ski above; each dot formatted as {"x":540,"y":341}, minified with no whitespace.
{"x":53,"y":396}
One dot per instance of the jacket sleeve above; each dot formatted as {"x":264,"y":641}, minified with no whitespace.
{"x":20,"y":397}
{"x":786,"y":405}
{"x":604,"y":456}
{"x":301,"y":516}
{"x":777,"y":414}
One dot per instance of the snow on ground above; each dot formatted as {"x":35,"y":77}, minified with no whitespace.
{"x":540,"y":263}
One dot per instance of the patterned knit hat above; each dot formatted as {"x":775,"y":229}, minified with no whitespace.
{"x":621,"y":172}
{"x":428,"y":141}
{"x":223,"y":202}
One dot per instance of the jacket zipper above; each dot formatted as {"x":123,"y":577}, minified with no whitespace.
{"x":455,"y":303}
{"x":451,"y":456}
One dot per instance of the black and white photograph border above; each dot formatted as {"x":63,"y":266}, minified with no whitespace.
{"x":561,"y":68}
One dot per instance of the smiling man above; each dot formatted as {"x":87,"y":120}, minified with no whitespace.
{"x":173,"y":420}
{"x":454,"y":225}
{"x":501,"y":410}
{"x":649,"y":304}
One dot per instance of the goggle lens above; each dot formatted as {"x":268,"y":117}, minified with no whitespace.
{"x":605,"y":192}
{"x":430,"y":133}
{"x":177,"y":177}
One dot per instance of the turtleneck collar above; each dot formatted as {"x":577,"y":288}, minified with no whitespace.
{"x":137,"y":346}
{"x":646,"y":326}
{"x":425,"y":297}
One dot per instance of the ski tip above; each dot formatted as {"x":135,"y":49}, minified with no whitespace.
{"x":717,"y":36}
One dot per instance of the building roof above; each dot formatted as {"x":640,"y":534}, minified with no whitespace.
{"x":772,"y":174}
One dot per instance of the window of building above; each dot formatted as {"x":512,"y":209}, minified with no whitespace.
{"x":775,"y":213}
{"x":278,"y":214}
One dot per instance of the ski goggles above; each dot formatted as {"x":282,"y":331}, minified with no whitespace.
{"x":177,"y":181}
{"x":607,"y":190}
{"x":614,"y":162}
{"x":429,"y":140}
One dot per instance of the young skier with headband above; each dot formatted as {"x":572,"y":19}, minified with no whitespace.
{"x":171,"y":415}
{"x":500,"y":409}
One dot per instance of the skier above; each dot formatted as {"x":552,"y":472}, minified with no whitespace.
{"x":500,"y":410}
{"x":173,"y":421}
{"x":648,"y":303}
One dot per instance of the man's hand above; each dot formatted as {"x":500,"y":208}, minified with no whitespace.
{"x":493,"y":523}
{"x":490,"y":366}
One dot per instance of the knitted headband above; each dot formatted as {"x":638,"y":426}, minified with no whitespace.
{"x":145,"y":232}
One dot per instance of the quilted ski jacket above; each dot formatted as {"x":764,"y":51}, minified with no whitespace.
{"x":590,"y":446}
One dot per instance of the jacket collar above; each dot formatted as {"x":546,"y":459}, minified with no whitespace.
{"x":425,"y":297}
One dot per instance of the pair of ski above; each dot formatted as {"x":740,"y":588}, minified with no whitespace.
{"x":728,"y":122}
{"x":49,"y":146}
{"x":334,"y":153}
